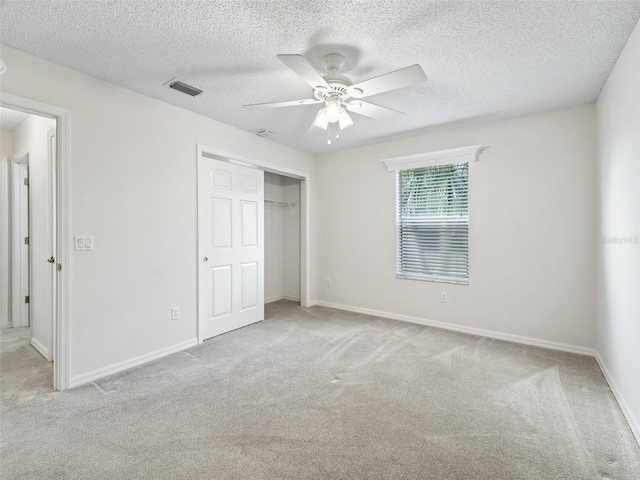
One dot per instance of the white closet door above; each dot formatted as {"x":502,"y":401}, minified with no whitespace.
{"x":230,"y":246}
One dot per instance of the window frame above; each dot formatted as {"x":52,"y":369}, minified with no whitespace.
{"x":404,"y":249}
{"x":429,"y":159}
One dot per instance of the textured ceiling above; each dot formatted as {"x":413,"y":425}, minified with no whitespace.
{"x":11,"y":119}
{"x":485,"y":60}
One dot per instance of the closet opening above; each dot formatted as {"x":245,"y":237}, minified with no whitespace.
{"x":282,"y":238}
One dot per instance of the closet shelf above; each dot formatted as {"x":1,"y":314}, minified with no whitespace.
{"x":277,"y":203}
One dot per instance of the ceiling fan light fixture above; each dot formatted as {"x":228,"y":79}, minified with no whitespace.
{"x":345,"y":120}
{"x":321,"y":120}
{"x":332,"y":111}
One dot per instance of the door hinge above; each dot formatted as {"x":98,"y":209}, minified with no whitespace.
{"x":26,"y":182}
{"x":26,"y":299}
{"x":26,"y":240}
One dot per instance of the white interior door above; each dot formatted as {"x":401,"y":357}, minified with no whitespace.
{"x":230,"y":246}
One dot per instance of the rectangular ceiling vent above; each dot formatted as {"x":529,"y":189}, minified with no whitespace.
{"x":183,"y":87}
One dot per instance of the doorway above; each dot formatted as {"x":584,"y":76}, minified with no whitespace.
{"x":33,"y":218}
{"x":292,"y":184}
{"x":281,"y":238}
{"x":30,"y":290}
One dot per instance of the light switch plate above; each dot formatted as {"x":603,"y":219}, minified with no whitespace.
{"x":82,"y":242}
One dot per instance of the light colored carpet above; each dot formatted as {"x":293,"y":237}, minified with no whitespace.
{"x":322,"y":394}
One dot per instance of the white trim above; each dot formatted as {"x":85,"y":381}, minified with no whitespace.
{"x":480,"y":332}
{"x":427,"y":159}
{"x":40,"y":348}
{"x":52,"y":164}
{"x":133,"y":362}
{"x":60,"y":342}
{"x":5,"y":242}
{"x":63,"y":258}
{"x":634,"y":425}
{"x":282,"y":297}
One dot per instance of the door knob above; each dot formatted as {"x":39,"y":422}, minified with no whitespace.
{"x":51,"y":260}
{"x":206,"y":259}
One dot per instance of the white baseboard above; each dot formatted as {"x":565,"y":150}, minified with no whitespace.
{"x":624,"y":406}
{"x":127,"y":364}
{"x":284,"y":297}
{"x":481,"y":332}
{"x":44,"y":351}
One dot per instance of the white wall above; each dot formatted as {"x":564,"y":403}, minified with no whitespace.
{"x":273,"y":238}
{"x":532,"y":224}
{"x":32,"y":134}
{"x":132,"y":186}
{"x":6,"y":143}
{"x":618,"y":326}
{"x":291,"y":240}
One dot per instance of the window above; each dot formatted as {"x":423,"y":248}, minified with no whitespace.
{"x":433,"y":214}
{"x":433,"y":223}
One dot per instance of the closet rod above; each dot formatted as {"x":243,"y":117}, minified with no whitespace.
{"x":279,"y":204}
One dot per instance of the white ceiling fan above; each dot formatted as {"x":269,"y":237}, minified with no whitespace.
{"x":340,"y":95}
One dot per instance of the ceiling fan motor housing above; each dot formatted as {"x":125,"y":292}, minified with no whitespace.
{"x":338,"y":84}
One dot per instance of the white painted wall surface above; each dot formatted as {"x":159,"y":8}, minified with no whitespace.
{"x":618,"y":326}
{"x":273,"y":238}
{"x":32,"y":135}
{"x":532,"y":225}
{"x":291,"y":240}
{"x":133,"y":187}
{"x":6,"y":143}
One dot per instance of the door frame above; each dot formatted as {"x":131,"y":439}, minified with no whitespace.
{"x":305,"y":204}
{"x":60,"y":218}
{"x":20,"y":269}
{"x":5,"y":243}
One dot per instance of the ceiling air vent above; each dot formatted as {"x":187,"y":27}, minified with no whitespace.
{"x":183,"y":87}
{"x":265,"y":132}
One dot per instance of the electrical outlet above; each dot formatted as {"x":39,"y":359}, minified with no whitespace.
{"x":329,"y":282}
{"x":443,"y":297}
{"x":175,"y":313}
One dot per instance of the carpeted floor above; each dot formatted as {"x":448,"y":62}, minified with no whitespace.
{"x":321,"y":394}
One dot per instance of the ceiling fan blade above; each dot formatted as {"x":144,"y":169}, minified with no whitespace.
{"x":303,"y":68}
{"x":291,"y":103}
{"x":404,"y":77}
{"x":371,"y":110}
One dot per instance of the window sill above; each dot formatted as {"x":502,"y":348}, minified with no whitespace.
{"x":426,"y":278}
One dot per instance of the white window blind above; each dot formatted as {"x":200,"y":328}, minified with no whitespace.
{"x":433,"y":223}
